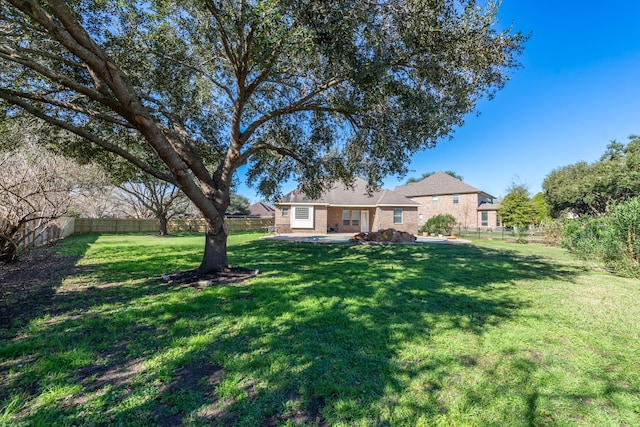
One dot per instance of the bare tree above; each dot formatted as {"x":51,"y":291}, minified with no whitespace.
{"x":96,"y":196}
{"x":34,"y":189}
{"x":149,"y":197}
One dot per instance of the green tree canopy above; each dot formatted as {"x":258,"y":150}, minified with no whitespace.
{"x":190,"y":91}
{"x":516,"y":209}
{"x":238,"y":204}
{"x":591,"y":189}
{"x":539,"y":208}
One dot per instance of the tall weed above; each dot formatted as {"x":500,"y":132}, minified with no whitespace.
{"x":612,"y":239}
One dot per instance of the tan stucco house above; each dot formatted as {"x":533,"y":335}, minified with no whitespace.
{"x":441,"y":193}
{"x":346,"y":210}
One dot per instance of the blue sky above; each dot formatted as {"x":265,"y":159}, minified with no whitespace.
{"x":578,"y":89}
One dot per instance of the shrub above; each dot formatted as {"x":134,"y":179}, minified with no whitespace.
{"x":439,"y":224}
{"x":613,"y":239}
{"x":587,"y":237}
{"x":625,"y":230}
{"x":553,"y":230}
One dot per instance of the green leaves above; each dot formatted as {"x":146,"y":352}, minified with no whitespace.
{"x":405,"y":72}
{"x":516,"y":209}
{"x":439,"y":224}
{"x":189,"y":91}
{"x":613,"y":240}
{"x":591,"y":189}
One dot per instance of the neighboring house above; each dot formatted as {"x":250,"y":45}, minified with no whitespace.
{"x":346,"y":210}
{"x":441,"y":193}
{"x":261,"y":210}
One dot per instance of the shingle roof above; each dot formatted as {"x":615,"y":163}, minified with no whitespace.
{"x":484,"y":206}
{"x":340,"y":195}
{"x":437,"y":184}
{"x":262,"y":210}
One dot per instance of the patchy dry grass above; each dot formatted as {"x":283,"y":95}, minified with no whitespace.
{"x":484,"y":334}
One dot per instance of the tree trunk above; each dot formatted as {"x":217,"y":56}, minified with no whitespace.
{"x":215,"y":247}
{"x":163,"y":226}
{"x":8,"y":250}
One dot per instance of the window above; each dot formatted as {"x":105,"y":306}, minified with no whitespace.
{"x":456,"y":199}
{"x":355,"y":217}
{"x":346,"y":217}
{"x":302,"y":217}
{"x":397,"y":216}
{"x":350,"y":217}
{"x":485,"y":218}
{"x":420,"y":219}
{"x":302,"y":213}
{"x":285,"y":211}
{"x":434,"y":200}
{"x":497,"y":221}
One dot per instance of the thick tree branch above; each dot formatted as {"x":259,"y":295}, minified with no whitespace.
{"x":6,"y":95}
{"x":98,"y":96}
{"x":73,"y":108}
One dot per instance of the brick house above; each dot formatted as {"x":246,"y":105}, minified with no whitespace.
{"x":261,"y":210}
{"x":441,"y":193}
{"x":346,"y":210}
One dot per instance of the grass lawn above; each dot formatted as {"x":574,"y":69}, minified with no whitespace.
{"x":344,"y":335}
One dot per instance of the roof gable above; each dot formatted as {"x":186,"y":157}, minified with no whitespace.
{"x":261,"y":210}
{"x":341,"y":195}
{"x":437,"y":184}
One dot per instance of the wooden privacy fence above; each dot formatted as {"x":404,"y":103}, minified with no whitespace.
{"x":111,"y":225}
{"x":39,"y":232}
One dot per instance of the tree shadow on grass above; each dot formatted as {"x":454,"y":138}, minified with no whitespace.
{"x":28,"y":286}
{"x":321,"y":337}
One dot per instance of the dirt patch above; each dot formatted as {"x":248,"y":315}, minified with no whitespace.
{"x":201,"y":378}
{"x":28,"y":285}
{"x":228,"y":276}
{"x":306,"y":412}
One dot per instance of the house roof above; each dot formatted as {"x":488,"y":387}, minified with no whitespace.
{"x":262,"y":210}
{"x":485,"y":206}
{"x":437,"y":184}
{"x":341,"y":195}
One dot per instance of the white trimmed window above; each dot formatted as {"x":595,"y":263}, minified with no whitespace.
{"x":397,"y":216}
{"x":355,"y":217}
{"x":346,"y":217}
{"x":434,"y":200}
{"x":285,"y":211}
{"x":350,"y":217}
{"x":302,"y":217}
{"x":456,"y":199}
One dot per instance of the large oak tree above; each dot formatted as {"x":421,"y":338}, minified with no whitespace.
{"x":593,"y":188}
{"x":316,"y":90}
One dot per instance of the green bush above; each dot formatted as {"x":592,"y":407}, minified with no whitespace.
{"x":439,"y":224}
{"x":625,"y":230}
{"x":588,"y":238}
{"x":613,"y":239}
